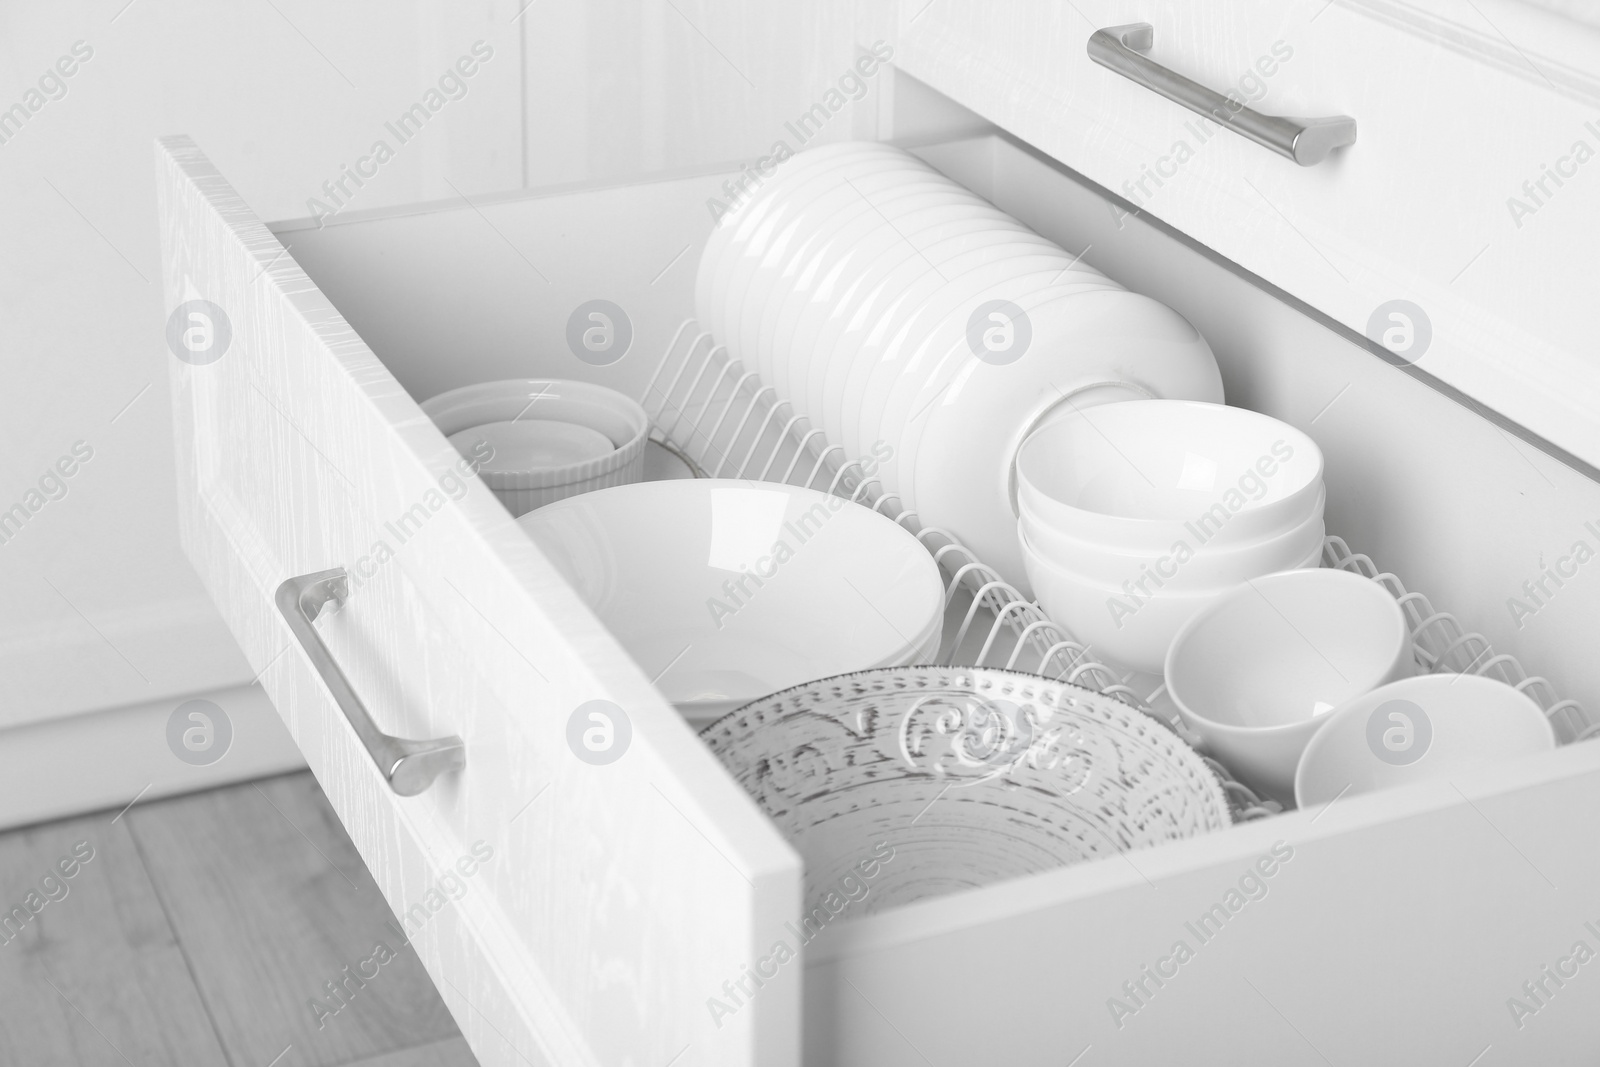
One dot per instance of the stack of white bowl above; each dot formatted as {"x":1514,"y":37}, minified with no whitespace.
{"x":538,"y":440}
{"x":866,"y":290}
{"x":1134,"y":516}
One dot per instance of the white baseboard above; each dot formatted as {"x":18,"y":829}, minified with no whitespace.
{"x":102,"y":760}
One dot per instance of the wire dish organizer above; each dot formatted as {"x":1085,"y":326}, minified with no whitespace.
{"x":715,"y":415}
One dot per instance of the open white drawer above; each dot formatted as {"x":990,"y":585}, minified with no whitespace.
{"x":621,"y":898}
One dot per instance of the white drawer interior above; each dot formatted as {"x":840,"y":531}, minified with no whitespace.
{"x":1455,"y":504}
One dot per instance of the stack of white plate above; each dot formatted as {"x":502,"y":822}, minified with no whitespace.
{"x":1135,"y":516}
{"x":919,"y":326}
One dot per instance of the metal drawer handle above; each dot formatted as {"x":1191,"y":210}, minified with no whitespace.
{"x":408,"y":766}
{"x":1306,"y":141}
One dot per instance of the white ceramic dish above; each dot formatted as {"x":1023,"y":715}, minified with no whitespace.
{"x":745,"y":279}
{"x":1136,"y":473}
{"x":1188,"y":564}
{"x":742,"y":237}
{"x":900,"y":785}
{"x":857,"y":277}
{"x":901,"y":360}
{"x":1138,"y":578}
{"x":1129,"y":632}
{"x":949,"y":344}
{"x":530,"y":478}
{"x":1429,"y":727}
{"x":912,"y":228}
{"x":1256,"y":673}
{"x":843,"y":272}
{"x":1089,"y":349}
{"x":724,"y":591}
{"x":734,"y":229}
{"x":531,"y":445}
{"x":815,"y":213}
{"x":853,"y":349}
{"x":844,"y":251}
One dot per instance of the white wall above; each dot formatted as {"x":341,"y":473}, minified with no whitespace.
{"x":100,"y":607}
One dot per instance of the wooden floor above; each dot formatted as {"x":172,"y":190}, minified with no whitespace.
{"x":201,"y":930}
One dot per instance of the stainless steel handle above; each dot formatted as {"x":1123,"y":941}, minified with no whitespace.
{"x":1306,"y":141}
{"x":408,"y":766}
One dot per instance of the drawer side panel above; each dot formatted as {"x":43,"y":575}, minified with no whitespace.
{"x":619,"y":898}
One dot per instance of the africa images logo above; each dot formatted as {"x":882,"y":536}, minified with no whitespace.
{"x":198,"y":332}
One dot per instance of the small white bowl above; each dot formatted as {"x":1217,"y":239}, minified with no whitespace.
{"x":544,"y":437}
{"x":1142,"y":473}
{"x":1430,"y":726}
{"x":1186,"y":565}
{"x":1256,"y":673}
{"x":531,"y":445}
{"x":1127,"y":632}
{"x":724,"y":591}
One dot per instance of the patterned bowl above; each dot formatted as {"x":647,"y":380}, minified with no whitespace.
{"x":904,"y":783}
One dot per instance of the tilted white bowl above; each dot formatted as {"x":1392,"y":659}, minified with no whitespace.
{"x":1430,"y":726}
{"x":1256,"y":673}
{"x":724,"y":591}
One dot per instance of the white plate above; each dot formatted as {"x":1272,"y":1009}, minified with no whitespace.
{"x":735,"y":228}
{"x":957,"y":453}
{"x":963,"y":280}
{"x":745,"y":281}
{"x":835,"y":230}
{"x":948,"y":340}
{"x":750,"y":228}
{"x":837,"y":277}
{"x":902,"y":293}
{"x":812,"y":207}
{"x":729,"y":590}
{"x":836,"y":334}
{"x":912,"y":783}
{"x":843,"y":265}
{"x":903,"y":361}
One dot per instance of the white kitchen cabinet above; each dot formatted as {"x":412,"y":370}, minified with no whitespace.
{"x":620,"y":898}
{"x":1470,"y":191}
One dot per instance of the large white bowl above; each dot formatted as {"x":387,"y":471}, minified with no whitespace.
{"x":1256,"y":673}
{"x":1427,"y":727}
{"x":1144,"y":473}
{"x":727,"y":590}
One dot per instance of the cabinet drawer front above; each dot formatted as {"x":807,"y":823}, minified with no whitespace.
{"x":616,"y":898}
{"x":1469,"y":191}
